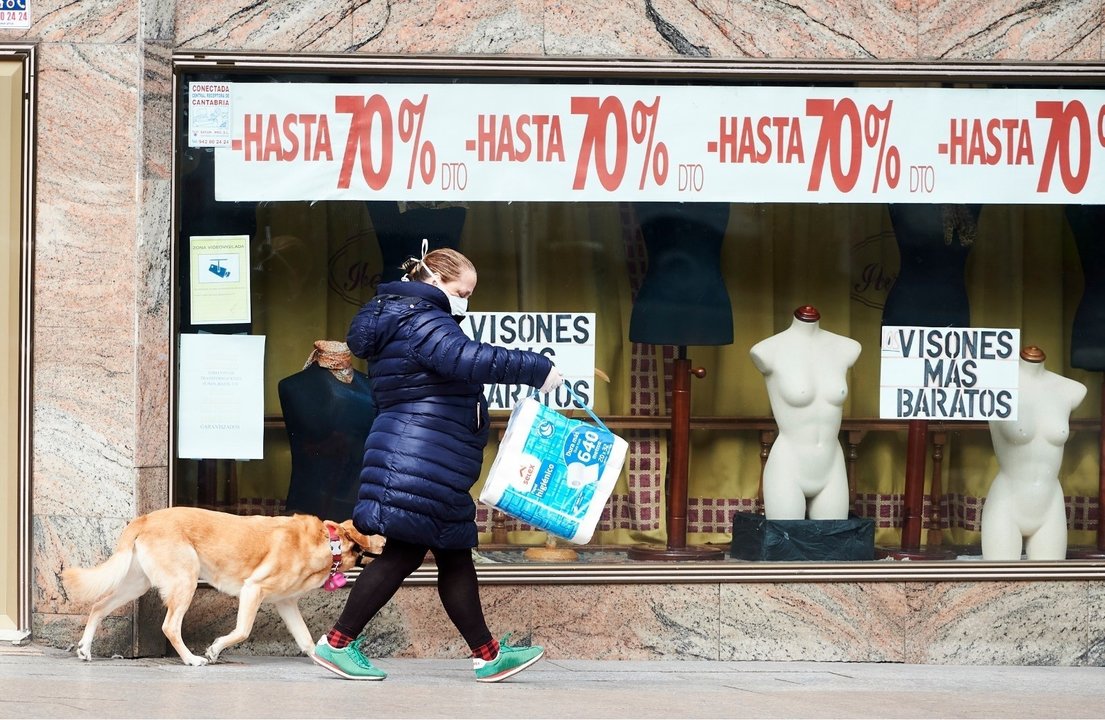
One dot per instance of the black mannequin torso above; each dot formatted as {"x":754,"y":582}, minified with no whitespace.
{"x":931,"y":288}
{"x":1087,"y":339}
{"x":683,"y":299}
{"x":327,"y":422}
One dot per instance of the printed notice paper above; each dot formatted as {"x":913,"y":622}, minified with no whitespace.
{"x":222,"y":408}
{"x":208,"y":114}
{"x":15,"y":14}
{"x":219,"y":279}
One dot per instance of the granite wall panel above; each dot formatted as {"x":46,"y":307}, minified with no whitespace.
{"x":102,"y":312}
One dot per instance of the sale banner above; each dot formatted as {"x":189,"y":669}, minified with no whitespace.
{"x":590,"y":143}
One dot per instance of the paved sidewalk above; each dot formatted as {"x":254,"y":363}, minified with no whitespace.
{"x":40,"y":682}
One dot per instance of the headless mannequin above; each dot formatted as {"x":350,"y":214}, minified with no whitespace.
{"x":400,"y":234}
{"x":933,"y":244}
{"x":683,"y":299}
{"x":328,"y":410}
{"x":806,"y":371}
{"x":1025,"y":501}
{"x":1087,"y":340}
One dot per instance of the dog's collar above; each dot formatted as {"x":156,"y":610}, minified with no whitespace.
{"x":336,"y":578}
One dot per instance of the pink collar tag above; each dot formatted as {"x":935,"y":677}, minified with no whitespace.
{"x":336,"y":579}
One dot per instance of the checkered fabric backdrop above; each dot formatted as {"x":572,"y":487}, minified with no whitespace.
{"x":715,"y":515}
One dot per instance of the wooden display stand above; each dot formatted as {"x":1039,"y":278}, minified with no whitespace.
{"x":679,"y":461}
{"x":914,"y":501}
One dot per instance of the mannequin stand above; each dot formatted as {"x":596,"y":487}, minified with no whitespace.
{"x":679,"y":460}
{"x":914,"y":501}
{"x":550,"y":552}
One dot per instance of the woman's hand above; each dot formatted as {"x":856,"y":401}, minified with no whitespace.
{"x":552,"y":381}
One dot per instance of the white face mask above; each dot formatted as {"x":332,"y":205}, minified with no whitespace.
{"x":458,"y":306}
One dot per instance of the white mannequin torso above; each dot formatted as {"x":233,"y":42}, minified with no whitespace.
{"x":1025,"y":500}
{"x":805,"y":369}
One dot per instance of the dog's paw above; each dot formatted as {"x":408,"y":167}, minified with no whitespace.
{"x":195,"y":661}
{"x":211,"y":654}
{"x":84,"y":652}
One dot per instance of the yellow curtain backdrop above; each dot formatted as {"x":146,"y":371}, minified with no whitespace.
{"x":314,"y":263}
{"x":556,"y":257}
{"x":1023,"y":272}
{"x":312,"y":267}
{"x":777,"y":258}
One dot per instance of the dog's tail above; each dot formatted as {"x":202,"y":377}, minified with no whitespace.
{"x":88,"y":584}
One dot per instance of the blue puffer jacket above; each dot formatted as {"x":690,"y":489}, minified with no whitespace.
{"x":425,"y":449}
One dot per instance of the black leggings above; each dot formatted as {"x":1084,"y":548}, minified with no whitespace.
{"x":380,"y":580}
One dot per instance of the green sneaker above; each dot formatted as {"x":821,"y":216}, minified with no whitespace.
{"x":347,"y":662}
{"x":511,"y":660}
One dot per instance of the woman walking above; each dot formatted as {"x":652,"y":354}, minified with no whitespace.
{"x":423,"y":455}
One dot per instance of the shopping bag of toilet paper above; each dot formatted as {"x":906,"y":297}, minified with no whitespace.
{"x":554,"y":472}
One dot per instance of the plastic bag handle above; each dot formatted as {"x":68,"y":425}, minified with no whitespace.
{"x":579,"y":401}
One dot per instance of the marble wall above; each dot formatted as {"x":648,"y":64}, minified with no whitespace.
{"x":102,"y":252}
{"x":960,"y":623}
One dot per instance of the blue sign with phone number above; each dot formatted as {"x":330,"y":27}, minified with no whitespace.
{"x":14,"y":5}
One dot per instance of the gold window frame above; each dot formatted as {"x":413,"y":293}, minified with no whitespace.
{"x":17,"y":242}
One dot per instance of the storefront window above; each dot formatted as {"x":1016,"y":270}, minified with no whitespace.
{"x":705,"y":273}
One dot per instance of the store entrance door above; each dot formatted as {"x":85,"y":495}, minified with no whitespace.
{"x":14,"y":580}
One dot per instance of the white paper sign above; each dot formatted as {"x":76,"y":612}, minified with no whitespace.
{"x":220,"y":280}
{"x":15,"y":14}
{"x":222,"y":397}
{"x":208,"y":114}
{"x":949,"y":373}
{"x":568,"y":339}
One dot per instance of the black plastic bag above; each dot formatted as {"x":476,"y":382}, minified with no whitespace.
{"x":757,"y":538}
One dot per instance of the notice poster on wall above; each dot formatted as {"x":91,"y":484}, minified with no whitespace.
{"x":219,"y":279}
{"x":568,"y":339}
{"x":222,"y":396}
{"x":208,"y":114}
{"x":949,"y":373}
